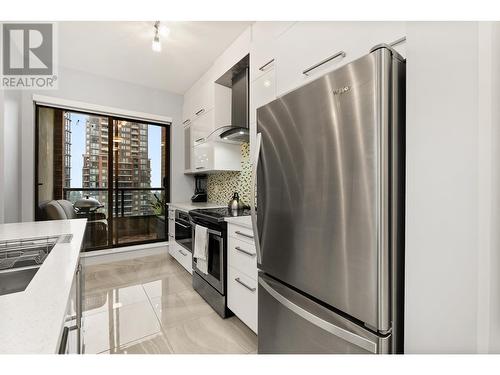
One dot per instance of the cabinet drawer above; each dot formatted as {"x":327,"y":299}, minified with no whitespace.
{"x":242,"y":297}
{"x":181,"y":255}
{"x":243,"y":257}
{"x":241,"y":233}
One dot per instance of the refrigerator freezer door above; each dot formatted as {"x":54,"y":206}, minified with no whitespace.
{"x":322,"y":181}
{"x":290,"y":323}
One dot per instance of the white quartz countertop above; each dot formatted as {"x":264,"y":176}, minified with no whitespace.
{"x":31,"y":321}
{"x":187,"y":206}
{"x":244,"y":221}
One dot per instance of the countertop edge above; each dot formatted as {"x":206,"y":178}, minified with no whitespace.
{"x":33,"y":319}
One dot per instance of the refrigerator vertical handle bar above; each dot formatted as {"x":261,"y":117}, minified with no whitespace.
{"x":320,"y":323}
{"x":253,"y":212}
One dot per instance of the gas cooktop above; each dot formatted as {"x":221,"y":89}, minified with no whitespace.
{"x":220,"y":213}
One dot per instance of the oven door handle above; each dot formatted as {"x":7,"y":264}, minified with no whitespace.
{"x":182,"y":225}
{"x":211,"y":231}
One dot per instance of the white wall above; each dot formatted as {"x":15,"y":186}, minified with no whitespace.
{"x":494,"y":258}
{"x":449,"y":188}
{"x":84,"y":87}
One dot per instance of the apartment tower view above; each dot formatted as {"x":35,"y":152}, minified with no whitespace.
{"x":131,"y":165}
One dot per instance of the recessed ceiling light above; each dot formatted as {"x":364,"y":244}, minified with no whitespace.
{"x":156,"y":45}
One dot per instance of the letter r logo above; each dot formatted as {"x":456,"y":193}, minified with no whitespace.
{"x":27,"y":49}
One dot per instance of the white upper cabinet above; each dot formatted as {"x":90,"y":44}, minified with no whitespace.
{"x":202,"y":126}
{"x":263,"y":46}
{"x":306,"y":44}
{"x":205,"y":97}
{"x":213,"y":156}
{"x":188,"y":148}
{"x":262,"y":91}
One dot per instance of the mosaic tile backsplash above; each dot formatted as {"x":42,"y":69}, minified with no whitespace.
{"x":221,"y":186}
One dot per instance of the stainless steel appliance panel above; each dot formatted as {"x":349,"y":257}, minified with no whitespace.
{"x":290,"y":323}
{"x":323,"y":181}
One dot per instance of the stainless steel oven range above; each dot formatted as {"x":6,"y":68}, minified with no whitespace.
{"x":213,"y":285}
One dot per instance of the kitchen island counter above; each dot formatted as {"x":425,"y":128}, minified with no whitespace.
{"x":31,"y":321}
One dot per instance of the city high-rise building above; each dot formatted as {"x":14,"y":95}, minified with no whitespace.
{"x":67,"y":150}
{"x":131,"y":165}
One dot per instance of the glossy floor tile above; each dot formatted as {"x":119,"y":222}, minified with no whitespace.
{"x":116,"y":327}
{"x":210,"y":334}
{"x":101,"y":301}
{"x":154,"y":344}
{"x":147,"y":306}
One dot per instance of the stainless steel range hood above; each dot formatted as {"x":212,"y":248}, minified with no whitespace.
{"x":237,"y":79}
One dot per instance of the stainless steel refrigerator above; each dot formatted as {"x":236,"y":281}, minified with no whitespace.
{"x":329,"y":222}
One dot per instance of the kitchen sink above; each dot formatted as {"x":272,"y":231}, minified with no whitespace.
{"x":14,"y":281}
{"x":20,"y":259}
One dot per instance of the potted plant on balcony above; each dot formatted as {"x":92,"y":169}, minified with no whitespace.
{"x":158,"y":205}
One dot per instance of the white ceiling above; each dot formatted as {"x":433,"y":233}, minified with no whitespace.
{"x":122,"y":50}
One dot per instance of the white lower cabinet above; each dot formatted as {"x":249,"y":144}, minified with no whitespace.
{"x":184,"y":257}
{"x":242,"y":297}
{"x":181,"y":255}
{"x":243,"y":256}
{"x":242,"y":275}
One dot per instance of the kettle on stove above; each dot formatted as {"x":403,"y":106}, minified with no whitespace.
{"x":235,"y":203}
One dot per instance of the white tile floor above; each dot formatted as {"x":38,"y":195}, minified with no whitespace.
{"x":147,"y":305}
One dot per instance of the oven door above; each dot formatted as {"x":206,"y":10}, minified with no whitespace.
{"x":216,"y":269}
{"x":183,"y":234}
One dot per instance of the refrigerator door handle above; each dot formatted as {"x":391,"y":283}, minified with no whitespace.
{"x":253,"y":212}
{"x":320,"y":323}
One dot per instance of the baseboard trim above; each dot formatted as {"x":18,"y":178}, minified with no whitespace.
{"x":122,"y":253}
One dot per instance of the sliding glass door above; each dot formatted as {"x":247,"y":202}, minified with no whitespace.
{"x":113,"y":171}
{"x":139,"y":176}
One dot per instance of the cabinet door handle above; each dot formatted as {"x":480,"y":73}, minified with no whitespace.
{"x":263,"y":67}
{"x":244,"y":234}
{"x":338,"y":54}
{"x":185,"y":122}
{"x":245,"y":285}
{"x":200,"y":167}
{"x":200,"y":112}
{"x":244,"y":251}
{"x":199,"y":139}
{"x":182,"y":253}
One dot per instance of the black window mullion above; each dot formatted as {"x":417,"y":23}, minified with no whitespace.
{"x":111,"y":181}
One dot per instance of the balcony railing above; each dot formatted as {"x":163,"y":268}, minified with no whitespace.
{"x":122,"y":222}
